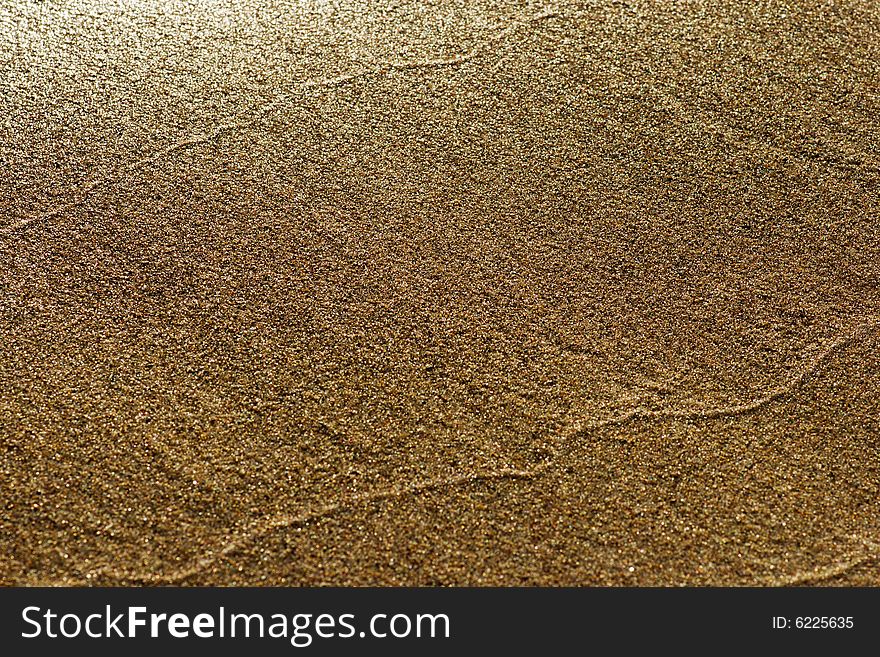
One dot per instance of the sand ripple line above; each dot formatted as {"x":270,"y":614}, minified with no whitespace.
{"x":270,"y":524}
{"x":832,"y":570}
{"x":382,"y":68}
{"x":859,"y":333}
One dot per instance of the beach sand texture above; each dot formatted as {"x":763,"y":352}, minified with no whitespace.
{"x":440,"y":292}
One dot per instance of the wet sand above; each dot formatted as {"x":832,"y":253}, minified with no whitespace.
{"x":439,"y":293}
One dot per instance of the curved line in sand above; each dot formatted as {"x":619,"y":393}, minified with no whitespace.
{"x":858,"y":333}
{"x":832,"y":570}
{"x":267,"y":525}
{"x":272,"y":523}
{"x":261,"y":113}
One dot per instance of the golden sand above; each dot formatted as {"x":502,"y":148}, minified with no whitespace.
{"x":452,"y":293}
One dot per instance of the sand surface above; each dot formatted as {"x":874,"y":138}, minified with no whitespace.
{"x":440,"y":292}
